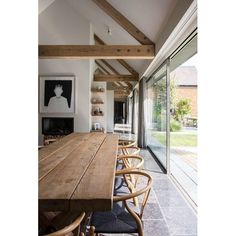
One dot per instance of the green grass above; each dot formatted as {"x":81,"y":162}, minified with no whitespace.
{"x":178,"y":139}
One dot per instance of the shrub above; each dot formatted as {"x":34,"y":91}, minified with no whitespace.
{"x":175,"y":125}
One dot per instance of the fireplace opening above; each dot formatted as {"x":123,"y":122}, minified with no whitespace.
{"x":57,"y":126}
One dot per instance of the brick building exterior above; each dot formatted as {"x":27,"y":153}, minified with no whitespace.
{"x":185,"y":79}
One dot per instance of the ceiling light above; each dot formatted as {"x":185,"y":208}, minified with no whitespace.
{"x":108,"y":30}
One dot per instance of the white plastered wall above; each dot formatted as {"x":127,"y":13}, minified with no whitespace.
{"x":59,"y":24}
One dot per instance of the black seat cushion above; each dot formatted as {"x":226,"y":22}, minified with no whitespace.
{"x":116,"y":221}
{"x":46,"y":230}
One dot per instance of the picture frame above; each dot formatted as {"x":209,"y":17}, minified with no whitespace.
{"x":57,"y":94}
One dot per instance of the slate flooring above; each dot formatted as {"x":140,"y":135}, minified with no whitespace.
{"x":167,"y":213}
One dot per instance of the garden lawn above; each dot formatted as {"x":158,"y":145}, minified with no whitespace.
{"x":178,"y":139}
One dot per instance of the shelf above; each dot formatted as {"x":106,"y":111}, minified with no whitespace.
{"x":97,"y":115}
{"x":96,"y":103}
{"x":97,"y":91}
{"x":97,"y":130}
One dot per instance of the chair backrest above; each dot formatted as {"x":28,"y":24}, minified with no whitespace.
{"x":129,"y":150}
{"x":144,"y":190}
{"x":70,"y":228}
{"x":131,"y":162}
{"x":126,"y":143}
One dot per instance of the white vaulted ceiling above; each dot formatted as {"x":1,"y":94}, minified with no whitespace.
{"x":149,"y":16}
{"x":43,"y":4}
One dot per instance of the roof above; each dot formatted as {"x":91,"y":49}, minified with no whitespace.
{"x":185,"y":76}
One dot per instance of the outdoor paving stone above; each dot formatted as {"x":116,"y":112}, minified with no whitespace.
{"x":168,"y":198}
{"x":152,"y":212}
{"x":181,"y":221}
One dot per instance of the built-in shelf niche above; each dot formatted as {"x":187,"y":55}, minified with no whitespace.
{"x":98,"y":106}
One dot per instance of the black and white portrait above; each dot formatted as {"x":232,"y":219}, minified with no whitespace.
{"x":57,"y":94}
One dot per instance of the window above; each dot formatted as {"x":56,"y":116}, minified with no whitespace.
{"x":171,"y":122}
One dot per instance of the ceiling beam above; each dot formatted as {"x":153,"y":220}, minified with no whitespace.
{"x":99,"y":71}
{"x":116,"y":72}
{"x":122,"y":92}
{"x":103,"y":68}
{"x":123,"y":22}
{"x":121,"y":61}
{"x":96,"y":51}
{"x":120,"y":86}
{"x":117,"y":88}
{"x":129,"y":85}
{"x":112,"y":78}
{"x":127,"y":66}
{"x":110,"y":67}
{"x":99,"y":40}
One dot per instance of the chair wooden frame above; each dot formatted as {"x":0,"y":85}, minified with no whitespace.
{"x":133,"y":150}
{"x":127,"y":163}
{"x":126,"y":143}
{"x":126,"y":159}
{"x":74,"y":228}
{"x":146,"y":190}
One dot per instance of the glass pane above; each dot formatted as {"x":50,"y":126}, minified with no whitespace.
{"x":136,"y":94}
{"x":156,"y":114}
{"x":183,"y":122}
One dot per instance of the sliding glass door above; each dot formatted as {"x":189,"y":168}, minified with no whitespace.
{"x":156,"y":114}
{"x":184,"y":117}
{"x":171,"y":116}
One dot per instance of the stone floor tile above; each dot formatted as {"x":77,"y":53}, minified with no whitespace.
{"x":181,"y":221}
{"x":155,"y":228}
{"x":163,"y":184}
{"x":168,"y":198}
{"x":152,"y":212}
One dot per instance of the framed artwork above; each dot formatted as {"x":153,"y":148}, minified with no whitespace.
{"x":57,"y":94}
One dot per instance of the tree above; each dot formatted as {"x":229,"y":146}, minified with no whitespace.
{"x":182,"y":109}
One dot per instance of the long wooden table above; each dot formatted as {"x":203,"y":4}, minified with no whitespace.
{"x":77,"y":173}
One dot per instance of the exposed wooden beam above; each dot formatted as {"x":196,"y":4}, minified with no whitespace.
{"x":96,"y":51}
{"x":110,"y":67}
{"x":129,"y":85}
{"x":121,"y":84}
{"x":120,"y":99}
{"x":97,"y":39}
{"x":113,"y":83}
{"x":123,"y":22}
{"x":99,"y":71}
{"x":116,"y":72}
{"x":121,"y":61}
{"x":120,"y":96}
{"x":114,"y":86}
{"x":122,"y":92}
{"x":112,"y":78}
{"x":103,"y":68}
{"x":127,"y":66}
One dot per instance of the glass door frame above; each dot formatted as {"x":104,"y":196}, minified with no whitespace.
{"x":168,"y":116}
{"x":167,"y":162}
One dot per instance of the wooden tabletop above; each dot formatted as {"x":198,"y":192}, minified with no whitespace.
{"x":77,"y":173}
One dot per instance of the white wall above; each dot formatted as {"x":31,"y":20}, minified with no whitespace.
{"x":59,"y":24}
{"x":110,"y":110}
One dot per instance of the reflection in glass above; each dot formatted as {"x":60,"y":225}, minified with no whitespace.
{"x":156,"y":114}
